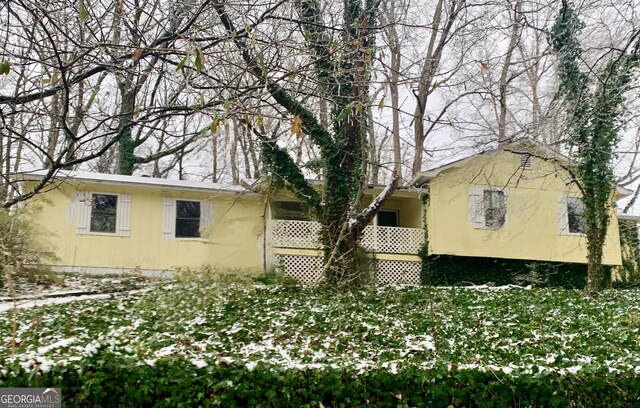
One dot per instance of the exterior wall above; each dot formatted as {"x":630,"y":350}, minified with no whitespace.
{"x":235,"y":239}
{"x":534,"y":208}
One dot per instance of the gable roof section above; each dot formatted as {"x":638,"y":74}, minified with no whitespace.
{"x":134,"y":181}
{"x":522,"y":147}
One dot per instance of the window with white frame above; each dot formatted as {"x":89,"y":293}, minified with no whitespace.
{"x":487,"y":208}
{"x":186,"y":219}
{"x":575,"y":216}
{"x":100,"y":213}
{"x":571,"y":216}
{"x":104,"y":211}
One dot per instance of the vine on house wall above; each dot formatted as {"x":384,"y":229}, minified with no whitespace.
{"x":439,"y":270}
{"x":594,"y":101}
{"x":630,"y":248}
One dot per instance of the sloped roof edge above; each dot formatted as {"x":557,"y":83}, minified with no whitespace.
{"x":520,"y":147}
{"x":629,"y":217}
{"x":148,"y":182}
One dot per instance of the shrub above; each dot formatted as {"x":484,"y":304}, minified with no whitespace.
{"x":463,"y":271}
{"x":629,"y":272}
{"x":105,"y":381}
{"x":23,"y":254}
{"x":274,"y":276}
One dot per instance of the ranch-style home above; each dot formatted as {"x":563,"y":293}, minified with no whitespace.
{"x":504,"y":203}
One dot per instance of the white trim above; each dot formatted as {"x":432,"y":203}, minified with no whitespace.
{"x":476,"y":213}
{"x":82,"y":208}
{"x":563,"y":216}
{"x":475,"y":207}
{"x":206,"y":214}
{"x":145,"y":182}
{"x":169,"y":219}
{"x":123,"y":215}
{"x":628,"y":217}
{"x":397,"y":211}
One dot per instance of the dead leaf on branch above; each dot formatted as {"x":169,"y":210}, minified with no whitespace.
{"x":296,"y":126}
{"x":137,"y":54}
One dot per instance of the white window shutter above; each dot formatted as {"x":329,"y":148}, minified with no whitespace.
{"x":72,"y":208}
{"x":206,"y":214}
{"x":168,"y":218}
{"x":124,"y":215}
{"x":563,"y":216}
{"x":506,"y":207}
{"x":83,"y":211}
{"x":475,"y":207}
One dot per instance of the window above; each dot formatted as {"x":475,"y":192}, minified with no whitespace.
{"x":100,"y":213}
{"x":103,"y":213}
{"x":187,"y":219}
{"x":495,"y":209}
{"x":192,"y":219}
{"x":388,"y":218}
{"x":487,"y":208}
{"x":575,"y":216}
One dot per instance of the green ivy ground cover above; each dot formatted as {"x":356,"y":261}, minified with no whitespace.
{"x":237,"y":336}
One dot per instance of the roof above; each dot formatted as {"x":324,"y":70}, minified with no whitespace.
{"x":138,"y":181}
{"x":629,"y":217}
{"x":520,"y":147}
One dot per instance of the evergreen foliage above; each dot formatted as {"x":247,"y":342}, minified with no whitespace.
{"x":630,"y":248}
{"x":449,"y":270}
{"x":593,"y":105}
{"x":171,"y":383}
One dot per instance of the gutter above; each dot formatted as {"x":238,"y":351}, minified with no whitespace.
{"x":628,"y":217}
{"x":81,"y":179}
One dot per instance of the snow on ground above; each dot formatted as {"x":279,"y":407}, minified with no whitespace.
{"x":49,"y":285}
{"x":521,"y":330}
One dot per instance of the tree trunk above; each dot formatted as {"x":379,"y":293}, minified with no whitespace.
{"x":343,"y":76}
{"x":52,"y":139}
{"x":233,"y":152}
{"x":504,"y":75}
{"x":214,"y":154}
{"x":126,"y":145}
{"x":440,"y":36}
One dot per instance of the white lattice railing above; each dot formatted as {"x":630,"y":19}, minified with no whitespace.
{"x":386,"y":240}
{"x":295,"y":234}
{"x":393,"y":240}
{"x":308,"y":270}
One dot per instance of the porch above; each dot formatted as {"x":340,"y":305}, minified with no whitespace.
{"x":295,"y":246}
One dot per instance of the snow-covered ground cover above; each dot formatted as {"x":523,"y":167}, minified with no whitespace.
{"x":515,"y":331}
{"x":52,"y":284}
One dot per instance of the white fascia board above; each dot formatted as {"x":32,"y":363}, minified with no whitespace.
{"x":136,"y":181}
{"x":630,"y":217}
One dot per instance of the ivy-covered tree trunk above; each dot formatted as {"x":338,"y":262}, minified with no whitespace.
{"x":126,"y":145}
{"x":593,"y":106}
{"x":342,"y":68}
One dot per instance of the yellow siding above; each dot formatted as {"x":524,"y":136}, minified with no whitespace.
{"x":235,"y":239}
{"x":531,"y":229}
